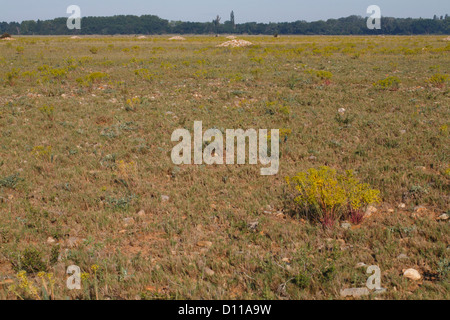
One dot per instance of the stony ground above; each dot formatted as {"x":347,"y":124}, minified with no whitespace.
{"x":86,"y":176}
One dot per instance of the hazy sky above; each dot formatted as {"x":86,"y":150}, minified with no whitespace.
{"x":206,"y":10}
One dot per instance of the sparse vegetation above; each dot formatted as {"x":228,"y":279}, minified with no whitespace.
{"x":86,"y":176}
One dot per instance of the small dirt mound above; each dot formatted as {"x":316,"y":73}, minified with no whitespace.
{"x":6,"y":36}
{"x":236,"y":43}
{"x":177,"y":38}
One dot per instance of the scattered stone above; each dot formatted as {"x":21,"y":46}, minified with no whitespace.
{"x":443,"y":217}
{"x":402,"y":257}
{"x":402,"y":206}
{"x":141,"y":213}
{"x":253,"y":225}
{"x":312,"y":158}
{"x":391,"y":210}
{"x":286,"y":260}
{"x":204,"y":244}
{"x":165,"y":198}
{"x":128,"y":221}
{"x":346,"y":226}
{"x":412,"y":274}
{"x":50,"y":240}
{"x":209,"y":272}
{"x":360,"y":265}
{"x":370,"y":210}
{"x":355,"y":292}
{"x":341,"y":111}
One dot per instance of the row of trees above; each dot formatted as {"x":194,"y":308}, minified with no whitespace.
{"x":150,"y":24}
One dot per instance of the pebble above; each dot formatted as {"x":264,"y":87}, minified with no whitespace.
{"x":346,"y":226}
{"x":165,"y":198}
{"x":141,"y":213}
{"x":370,"y":210}
{"x":443,"y":217}
{"x":412,"y":274}
{"x":402,"y":206}
{"x":253,"y":225}
{"x":128,"y":221}
{"x":50,"y":240}
{"x":209,"y":272}
{"x":360,"y":265}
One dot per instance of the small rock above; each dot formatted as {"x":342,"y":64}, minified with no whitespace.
{"x":360,"y":265}
{"x":402,"y":257}
{"x":165,"y":198}
{"x":412,"y":274}
{"x":443,"y":217}
{"x":141,"y":213}
{"x":391,"y":210}
{"x":370,"y":210}
{"x":355,"y":292}
{"x":341,"y":110}
{"x":402,"y":206}
{"x":50,"y":240}
{"x":287,"y":260}
{"x":209,"y":272}
{"x":346,"y":226}
{"x":253,"y":225}
{"x":128,"y":221}
{"x":312,"y":158}
{"x":204,"y":244}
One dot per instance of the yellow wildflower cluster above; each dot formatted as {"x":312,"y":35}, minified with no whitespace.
{"x":328,"y":195}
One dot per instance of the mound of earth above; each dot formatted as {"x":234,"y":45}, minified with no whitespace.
{"x":177,"y":38}
{"x":236,"y":43}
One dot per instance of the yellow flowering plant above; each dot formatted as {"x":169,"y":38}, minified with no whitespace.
{"x":324,"y":195}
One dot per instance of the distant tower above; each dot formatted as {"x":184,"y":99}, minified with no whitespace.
{"x":233,"y":23}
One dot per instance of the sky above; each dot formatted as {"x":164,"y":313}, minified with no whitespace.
{"x":207,"y":10}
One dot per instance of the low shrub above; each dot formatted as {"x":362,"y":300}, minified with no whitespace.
{"x":326,"y":196}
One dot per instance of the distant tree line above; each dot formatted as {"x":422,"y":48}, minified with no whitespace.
{"x":150,"y":24}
